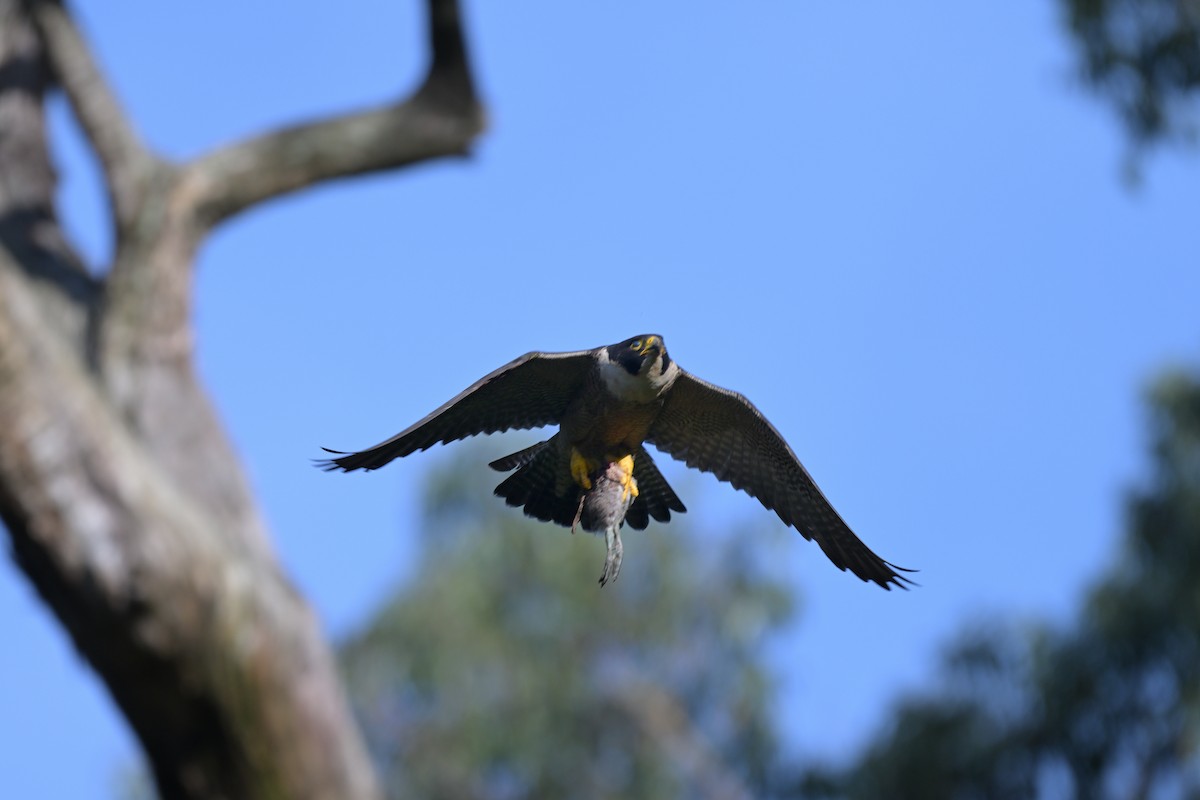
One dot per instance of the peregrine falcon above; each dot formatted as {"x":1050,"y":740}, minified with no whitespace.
{"x":595,"y":471}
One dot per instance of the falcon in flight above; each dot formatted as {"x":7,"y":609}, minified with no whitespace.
{"x":595,"y":472}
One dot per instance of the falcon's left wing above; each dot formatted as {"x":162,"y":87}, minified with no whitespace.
{"x":719,"y":431}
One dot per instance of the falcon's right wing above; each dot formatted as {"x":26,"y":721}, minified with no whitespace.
{"x":529,"y":392}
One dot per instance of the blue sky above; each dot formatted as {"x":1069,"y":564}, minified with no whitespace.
{"x":899,"y":229}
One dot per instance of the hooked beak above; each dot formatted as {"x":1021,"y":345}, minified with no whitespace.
{"x":652,"y":343}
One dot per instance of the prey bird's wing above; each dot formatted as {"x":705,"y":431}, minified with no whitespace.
{"x":719,"y":431}
{"x":529,"y":392}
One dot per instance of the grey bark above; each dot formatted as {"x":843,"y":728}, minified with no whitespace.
{"x":122,"y":498}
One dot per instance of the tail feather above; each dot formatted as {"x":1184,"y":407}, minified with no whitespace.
{"x":519,"y":458}
{"x":535,"y":483}
{"x":534,"y":487}
{"x":655,"y":497}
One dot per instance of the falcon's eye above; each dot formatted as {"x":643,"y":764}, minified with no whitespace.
{"x":636,"y":345}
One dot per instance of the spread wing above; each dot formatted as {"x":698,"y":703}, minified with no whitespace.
{"x":528,"y":392}
{"x":719,"y":431}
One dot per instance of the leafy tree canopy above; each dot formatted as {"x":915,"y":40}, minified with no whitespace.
{"x":1144,"y":57}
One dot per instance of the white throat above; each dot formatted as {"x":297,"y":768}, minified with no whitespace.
{"x":641,"y":388}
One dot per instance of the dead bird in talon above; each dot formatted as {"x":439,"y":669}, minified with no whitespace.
{"x":595,"y":471}
{"x":603,"y":507}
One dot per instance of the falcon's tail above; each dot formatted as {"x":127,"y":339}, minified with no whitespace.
{"x":655,"y":497}
{"x":534,"y":486}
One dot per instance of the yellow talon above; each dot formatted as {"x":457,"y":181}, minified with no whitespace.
{"x":627,"y":481}
{"x":580,"y":469}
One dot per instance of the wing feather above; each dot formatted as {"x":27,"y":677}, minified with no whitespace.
{"x":721,"y":432}
{"x":528,"y":392}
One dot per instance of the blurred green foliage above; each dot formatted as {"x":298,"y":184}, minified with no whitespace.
{"x":1105,"y":708}
{"x":1144,"y":57}
{"x":502,"y":670}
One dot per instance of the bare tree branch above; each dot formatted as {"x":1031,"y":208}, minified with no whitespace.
{"x":239,"y":176}
{"x":123,"y":158}
{"x":144,"y":339}
{"x":440,"y":119}
{"x":28,"y":222}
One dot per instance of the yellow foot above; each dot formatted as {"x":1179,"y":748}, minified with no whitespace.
{"x":627,"y":481}
{"x":581,"y":468}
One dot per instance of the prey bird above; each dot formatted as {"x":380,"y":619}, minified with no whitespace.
{"x":595,"y":472}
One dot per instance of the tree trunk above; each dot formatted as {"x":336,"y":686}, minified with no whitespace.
{"x":124,"y":502}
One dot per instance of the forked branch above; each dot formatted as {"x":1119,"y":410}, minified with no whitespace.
{"x":441,"y":118}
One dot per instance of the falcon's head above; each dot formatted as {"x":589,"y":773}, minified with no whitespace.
{"x":638,"y":368}
{"x":641,"y":354}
